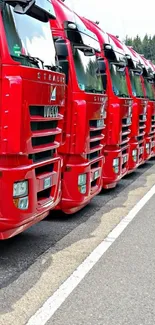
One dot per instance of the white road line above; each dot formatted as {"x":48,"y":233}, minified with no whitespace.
{"x":52,"y":304}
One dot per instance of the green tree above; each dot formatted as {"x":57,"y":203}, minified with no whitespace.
{"x":137,"y":44}
{"x":144,"y":46}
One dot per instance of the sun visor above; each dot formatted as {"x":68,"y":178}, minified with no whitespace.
{"x":134,"y":61}
{"x":113,"y":52}
{"x":80,"y":35}
{"x":42,"y":10}
{"x":148,"y":69}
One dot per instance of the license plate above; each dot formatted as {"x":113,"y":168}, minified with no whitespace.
{"x":100,"y":123}
{"x":96,"y":174}
{"x":47,"y":182}
{"x":51,"y":111}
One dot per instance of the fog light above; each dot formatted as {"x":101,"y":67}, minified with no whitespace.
{"x":82,"y":179}
{"x":116,"y":170}
{"x":82,"y":189}
{"x":116,"y":162}
{"x":22,"y":203}
{"x":20,"y":188}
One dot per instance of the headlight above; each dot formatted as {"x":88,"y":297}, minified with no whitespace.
{"x":115,"y":162}
{"x":20,"y":189}
{"x":82,"y":179}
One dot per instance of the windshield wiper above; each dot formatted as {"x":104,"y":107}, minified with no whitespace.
{"x":93,"y":90}
{"x":36,"y":60}
{"x":123,"y":95}
{"x":56,"y":68}
{"x":33,"y":59}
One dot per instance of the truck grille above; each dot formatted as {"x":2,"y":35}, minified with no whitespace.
{"x":46,"y":134}
{"x":152,"y":124}
{"x":142,"y":125}
{"x":96,"y":137}
{"x":40,"y":156}
{"x":126,"y":122}
{"x":46,"y":171}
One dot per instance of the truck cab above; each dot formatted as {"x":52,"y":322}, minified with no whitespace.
{"x":148,"y":84}
{"x":31,"y":118}
{"x":141,"y":107}
{"x":119,"y":109}
{"x":83,"y":135}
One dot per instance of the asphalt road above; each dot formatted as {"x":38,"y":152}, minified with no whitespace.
{"x":35,"y":263}
{"x":120,"y":288}
{"x":18,"y":253}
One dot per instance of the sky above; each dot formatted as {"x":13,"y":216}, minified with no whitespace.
{"x":121,"y":17}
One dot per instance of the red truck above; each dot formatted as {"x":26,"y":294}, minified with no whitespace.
{"x":139,"y":110}
{"x":83,"y":134}
{"x":119,"y":109}
{"x":153,"y":86}
{"x":148,"y":84}
{"x":141,"y":115}
{"x":31,"y":117}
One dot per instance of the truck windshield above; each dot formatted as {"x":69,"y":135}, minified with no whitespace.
{"x":136,"y":84}
{"x":149,"y":90}
{"x":27,"y":37}
{"x":119,"y":82}
{"x":86,"y":71}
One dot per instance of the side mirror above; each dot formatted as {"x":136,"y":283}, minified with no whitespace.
{"x":138,"y":73}
{"x":39,"y":9}
{"x":120,"y":69}
{"x":61,"y":48}
{"x":102,"y":72}
{"x":89,"y":52}
{"x":65,"y":68}
{"x":101,"y":65}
